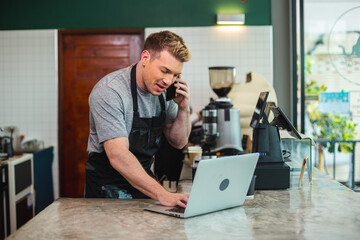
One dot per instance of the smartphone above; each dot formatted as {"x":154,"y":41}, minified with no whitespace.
{"x":171,"y":92}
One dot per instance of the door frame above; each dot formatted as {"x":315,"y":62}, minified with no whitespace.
{"x":61,"y":34}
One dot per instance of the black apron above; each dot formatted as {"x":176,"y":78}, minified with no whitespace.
{"x":102,"y":180}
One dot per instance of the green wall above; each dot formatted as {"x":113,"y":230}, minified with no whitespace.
{"x":83,"y":14}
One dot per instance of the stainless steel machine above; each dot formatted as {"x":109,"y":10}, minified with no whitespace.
{"x":221,"y":122}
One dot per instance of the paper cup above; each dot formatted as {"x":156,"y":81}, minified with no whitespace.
{"x":193,"y":152}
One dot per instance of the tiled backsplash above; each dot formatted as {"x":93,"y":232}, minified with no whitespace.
{"x":29,"y":79}
{"x":29,"y":86}
{"x":249,"y":49}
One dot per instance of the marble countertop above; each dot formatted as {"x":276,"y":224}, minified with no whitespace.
{"x":324,"y":209}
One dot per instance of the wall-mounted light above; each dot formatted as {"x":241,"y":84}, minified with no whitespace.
{"x":231,"y":19}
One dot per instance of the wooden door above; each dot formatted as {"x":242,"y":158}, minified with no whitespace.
{"x":84,"y":58}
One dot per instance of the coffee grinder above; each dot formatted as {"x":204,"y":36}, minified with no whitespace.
{"x":221,"y":122}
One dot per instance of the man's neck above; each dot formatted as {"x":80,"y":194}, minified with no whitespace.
{"x":139,"y":76}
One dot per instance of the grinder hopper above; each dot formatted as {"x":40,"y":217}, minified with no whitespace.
{"x":222,"y":80}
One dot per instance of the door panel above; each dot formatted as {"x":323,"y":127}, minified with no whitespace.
{"x":84,"y":58}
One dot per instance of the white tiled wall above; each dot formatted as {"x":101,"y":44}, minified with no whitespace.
{"x":248,"y":48}
{"x":29,"y":86}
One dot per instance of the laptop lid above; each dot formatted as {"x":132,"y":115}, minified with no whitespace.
{"x":218,"y":184}
{"x":221,"y":183}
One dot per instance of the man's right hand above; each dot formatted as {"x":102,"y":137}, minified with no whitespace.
{"x":173,"y":199}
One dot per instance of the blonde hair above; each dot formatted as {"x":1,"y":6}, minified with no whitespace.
{"x":166,"y":40}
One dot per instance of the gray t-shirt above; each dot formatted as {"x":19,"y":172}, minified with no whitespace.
{"x":111,"y":108}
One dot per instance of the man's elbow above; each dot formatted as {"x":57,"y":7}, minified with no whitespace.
{"x":178,"y":144}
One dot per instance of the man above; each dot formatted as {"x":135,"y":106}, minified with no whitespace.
{"x":128,"y":115}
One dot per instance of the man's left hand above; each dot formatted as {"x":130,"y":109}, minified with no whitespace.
{"x":183,"y":94}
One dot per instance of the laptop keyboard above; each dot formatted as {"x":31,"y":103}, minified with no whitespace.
{"x":176,"y":209}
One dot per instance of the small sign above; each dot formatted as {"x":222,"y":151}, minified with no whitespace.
{"x":334,"y":102}
{"x":311,"y":98}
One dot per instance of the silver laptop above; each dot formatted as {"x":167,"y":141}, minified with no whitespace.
{"x":219,"y":183}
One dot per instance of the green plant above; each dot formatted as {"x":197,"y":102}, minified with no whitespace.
{"x":313,"y":88}
{"x":328,"y":126}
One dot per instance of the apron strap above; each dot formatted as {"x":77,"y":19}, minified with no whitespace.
{"x":134,"y":90}
{"x":163,"y":112}
{"x":162,"y":102}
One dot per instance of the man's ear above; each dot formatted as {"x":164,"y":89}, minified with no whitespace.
{"x":145,"y":57}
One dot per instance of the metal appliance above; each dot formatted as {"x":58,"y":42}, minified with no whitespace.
{"x":6,"y":145}
{"x":221,"y":122}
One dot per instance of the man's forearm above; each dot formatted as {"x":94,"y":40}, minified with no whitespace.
{"x":128,"y":166}
{"x":178,"y":133}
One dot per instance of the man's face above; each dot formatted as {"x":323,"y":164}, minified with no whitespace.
{"x":159,"y":72}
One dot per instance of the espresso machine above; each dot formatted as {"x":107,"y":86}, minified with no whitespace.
{"x":221,"y":122}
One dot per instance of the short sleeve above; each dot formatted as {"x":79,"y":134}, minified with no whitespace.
{"x":107,"y":110}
